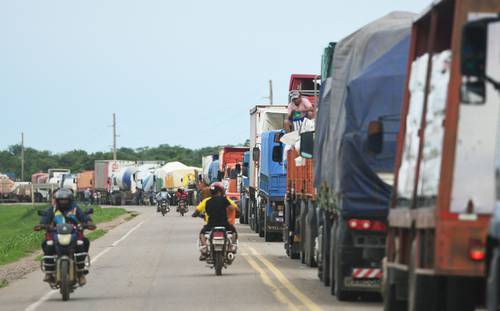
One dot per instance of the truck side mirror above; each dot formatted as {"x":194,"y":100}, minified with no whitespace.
{"x":473,"y":62}
{"x":278,"y":153}
{"x":375,"y":140}
{"x":256,"y":154}
{"x":307,"y":145}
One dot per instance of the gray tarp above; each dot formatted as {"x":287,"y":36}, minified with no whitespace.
{"x":352,"y":55}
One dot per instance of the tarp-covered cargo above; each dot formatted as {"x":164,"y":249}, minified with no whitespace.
{"x":376,"y":94}
{"x":352,"y":56}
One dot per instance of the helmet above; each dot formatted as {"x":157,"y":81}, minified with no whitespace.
{"x":294,"y":94}
{"x":216,"y":187}
{"x":64,"y":198}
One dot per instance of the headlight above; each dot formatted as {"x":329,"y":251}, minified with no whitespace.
{"x":64,"y":239}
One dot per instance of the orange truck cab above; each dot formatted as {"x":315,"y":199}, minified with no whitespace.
{"x":230,"y":164}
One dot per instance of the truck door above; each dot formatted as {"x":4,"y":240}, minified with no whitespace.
{"x":478,"y":122}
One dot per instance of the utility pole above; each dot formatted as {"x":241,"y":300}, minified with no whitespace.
{"x":22,"y":156}
{"x":270,"y":92}
{"x":114,"y":137}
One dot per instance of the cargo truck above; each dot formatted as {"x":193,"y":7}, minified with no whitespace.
{"x":300,"y":194}
{"x":272,"y":187}
{"x":262,"y":118}
{"x":230,"y":162}
{"x":447,"y":167}
{"x":105,"y":182}
{"x":84,"y":181}
{"x":354,"y":151}
{"x":243,"y":183}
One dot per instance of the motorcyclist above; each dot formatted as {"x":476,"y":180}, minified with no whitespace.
{"x":163,"y":195}
{"x":181,"y":195}
{"x":65,"y":210}
{"x":215,"y":210}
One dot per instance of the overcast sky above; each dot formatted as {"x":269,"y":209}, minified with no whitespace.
{"x":174,"y":72}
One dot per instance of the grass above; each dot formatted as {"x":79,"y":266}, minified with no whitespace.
{"x":94,"y":235}
{"x":17,"y":238}
{"x":3,"y":283}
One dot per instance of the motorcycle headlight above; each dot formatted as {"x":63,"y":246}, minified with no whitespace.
{"x":64,"y":239}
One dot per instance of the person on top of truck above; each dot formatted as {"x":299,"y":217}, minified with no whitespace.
{"x":64,"y":210}
{"x":298,"y":109}
{"x":218,"y":211}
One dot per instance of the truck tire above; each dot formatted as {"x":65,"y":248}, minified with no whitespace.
{"x":421,"y":289}
{"x":327,"y":233}
{"x":302,"y":229}
{"x":459,"y":294}
{"x":310,"y":235}
{"x":338,"y":274}
{"x":493,"y":290}
{"x":391,"y":303}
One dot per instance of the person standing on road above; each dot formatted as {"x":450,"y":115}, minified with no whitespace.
{"x":298,"y":109}
{"x":87,"y":195}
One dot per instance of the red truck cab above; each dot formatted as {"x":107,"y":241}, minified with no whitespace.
{"x":230,"y":164}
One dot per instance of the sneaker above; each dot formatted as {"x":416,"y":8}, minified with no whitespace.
{"x":82,"y":280}
{"x":203,"y":257}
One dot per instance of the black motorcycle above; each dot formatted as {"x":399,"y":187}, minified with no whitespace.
{"x":220,"y":251}
{"x":64,"y":265}
{"x":182,"y":207}
{"x":164,"y":207}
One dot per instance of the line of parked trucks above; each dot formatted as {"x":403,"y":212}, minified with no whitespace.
{"x":393,"y":189}
{"x":111,"y":182}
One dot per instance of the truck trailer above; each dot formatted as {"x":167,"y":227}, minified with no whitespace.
{"x":262,"y":118}
{"x":447,"y":167}
{"x":354,"y":151}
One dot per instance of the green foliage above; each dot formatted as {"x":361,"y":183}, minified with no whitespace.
{"x":94,"y":235}
{"x":17,"y":237}
{"x":80,"y":160}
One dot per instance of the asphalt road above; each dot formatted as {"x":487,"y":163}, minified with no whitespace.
{"x":151,"y":263}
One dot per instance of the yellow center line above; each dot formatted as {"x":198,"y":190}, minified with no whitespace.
{"x":267,"y":280}
{"x":308,"y":303}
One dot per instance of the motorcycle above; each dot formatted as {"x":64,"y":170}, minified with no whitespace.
{"x":221,"y":250}
{"x":182,"y":207}
{"x":64,"y":264}
{"x":164,"y":207}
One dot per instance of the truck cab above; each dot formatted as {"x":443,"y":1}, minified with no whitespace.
{"x":230,"y":162}
{"x":272,"y":186}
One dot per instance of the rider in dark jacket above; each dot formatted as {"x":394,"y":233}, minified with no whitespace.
{"x":64,"y":210}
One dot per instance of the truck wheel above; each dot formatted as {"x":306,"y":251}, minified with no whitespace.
{"x":459,"y":294}
{"x":327,"y":253}
{"x":391,"y":303}
{"x":421,"y":289}
{"x":338,"y":275}
{"x":493,"y":290}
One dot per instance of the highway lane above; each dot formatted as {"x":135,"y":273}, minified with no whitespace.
{"x":151,"y":263}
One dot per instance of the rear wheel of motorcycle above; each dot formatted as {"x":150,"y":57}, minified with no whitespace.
{"x":65,"y":286}
{"x":218,"y":263}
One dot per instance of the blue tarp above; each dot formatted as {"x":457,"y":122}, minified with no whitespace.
{"x":351,"y":58}
{"x":376,"y":94}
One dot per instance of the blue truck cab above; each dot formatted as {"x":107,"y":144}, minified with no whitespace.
{"x":272,"y":186}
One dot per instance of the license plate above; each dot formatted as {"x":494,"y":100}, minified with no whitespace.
{"x":279,"y":219}
{"x":218,"y":241}
{"x":362,"y":283}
